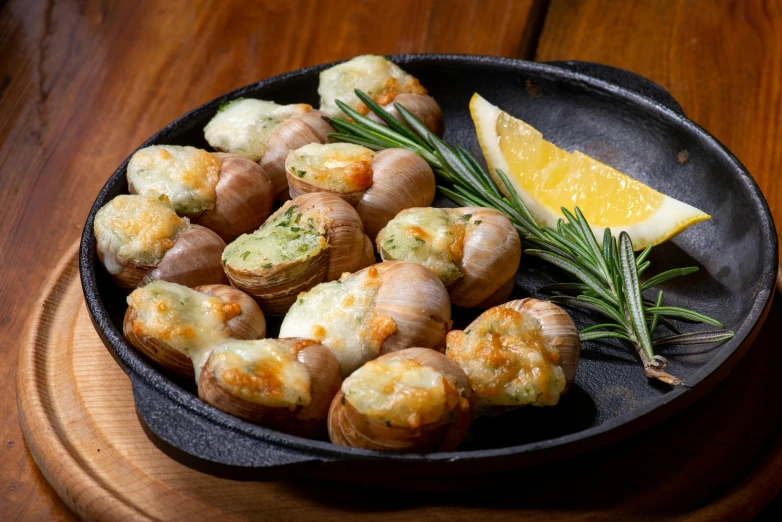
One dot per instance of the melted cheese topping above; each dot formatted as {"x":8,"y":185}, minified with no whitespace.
{"x":136,"y":229}
{"x":432,"y":237}
{"x":340,"y":315}
{"x":507,"y":359}
{"x":286,"y":237}
{"x":188,"y":321}
{"x":400,"y":392}
{"x":185,"y":175}
{"x":381,"y":79}
{"x":265,"y":371}
{"x":243,"y":126}
{"x":340,"y":167}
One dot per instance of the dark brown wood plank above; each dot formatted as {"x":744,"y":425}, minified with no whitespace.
{"x":82,"y":83}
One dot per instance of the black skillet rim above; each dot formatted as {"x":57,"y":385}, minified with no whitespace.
{"x":137,"y":368}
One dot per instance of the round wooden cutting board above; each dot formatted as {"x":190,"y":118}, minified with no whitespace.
{"x":721,"y":458}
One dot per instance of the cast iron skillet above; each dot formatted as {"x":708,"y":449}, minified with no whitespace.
{"x":621,"y":119}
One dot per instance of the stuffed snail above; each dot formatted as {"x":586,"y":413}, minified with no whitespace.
{"x":378,"y":184}
{"x":226,"y":193}
{"x":265,"y":132}
{"x":381,"y":309}
{"x":140,"y":239}
{"x":310,"y":239}
{"x":383,"y":81}
{"x":283,"y":384}
{"x":177,"y":327}
{"x":474,"y":251}
{"x":413,"y":400}
{"x":522,"y":352}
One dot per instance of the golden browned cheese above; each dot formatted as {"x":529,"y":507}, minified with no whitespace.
{"x":401,"y":392}
{"x":187,"y":176}
{"x":378,"y":77}
{"x":341,"y":315}
{"x":432,"y":237}
{"x":136,"y":229}
{"x":507,"y":359}
{"x":265,"y":371}
{"x":339,"y":167}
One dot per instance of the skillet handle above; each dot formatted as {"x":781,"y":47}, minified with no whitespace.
{"x":626,"y":79}
{"x":197,"y":441}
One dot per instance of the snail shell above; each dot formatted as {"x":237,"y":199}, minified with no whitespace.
{"x":558,"y":328}
{"x":244,"y":198}
{"x":246,"y":394}
{"x":139,"y":239}
{"x":182,"y":340}
{"x":475,"y":251}
{"x":275,"y":285}
{"x":293,"y":133}
{"x":538,"y":344}
{"x":400,"y":179}
{"x":422,"y":106}
{"x":381,"y":309}
{"x":396,"y":428}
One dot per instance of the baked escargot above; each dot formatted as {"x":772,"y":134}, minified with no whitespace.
{"x":474,"y":251}
{"x":177,"y":327}
{"x":378,"y":184}
{"x":140,"y":239}
{"x":383,"y":81}
{"x":309,"y":240}
{"x":223,"y":192}
{"x":381,"y":309}
{"x":284,"y":384}
{"x":413,"y":400}
{"x":265,"y":132}
{"x":522,"y":352}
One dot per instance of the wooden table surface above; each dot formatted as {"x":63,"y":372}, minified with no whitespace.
{"x":83,"y":83}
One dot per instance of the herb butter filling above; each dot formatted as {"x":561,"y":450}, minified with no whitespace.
{"x":508,"y":360}
{"x":244,"y":126}
{"x":377,"y":76}
{"x":432,"y":237}
{"x":288,"y":236}
{"x":341,"y":315}
{"x":263,"y":371}
{"x":400,"y":392}
{"x":186,"y":320}
{"x":136,"y":229}
{"x":186,"y":176}
{"x":339,"y":167}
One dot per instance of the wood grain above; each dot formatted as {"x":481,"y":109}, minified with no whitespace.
{"x":83,"y":83}
{"x":77,"y":411}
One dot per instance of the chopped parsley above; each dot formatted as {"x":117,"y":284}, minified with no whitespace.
{"x":245,"y":254}
{"x":466,"y":217}
{"x":267,"y":265}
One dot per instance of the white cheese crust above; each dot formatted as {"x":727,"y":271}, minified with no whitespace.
{"x":287,"y":236}
{"x":378,"y":77}
{"x":400,"y":392}
{"x":243,"y":126}
{"x":136,"y":229}
{"x":187,"y":176}
{"x":186,"y":320}
{"x":508,"y":360}
{"x":341,"y":315}
{"x":340,"y":167}
{"x":263,"y":371}
{"x":432,"y":237}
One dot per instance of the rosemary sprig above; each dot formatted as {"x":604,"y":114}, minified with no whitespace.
{"x":608,"y":272}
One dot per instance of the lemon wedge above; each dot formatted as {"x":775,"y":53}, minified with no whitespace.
{"x":547,"y":178}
